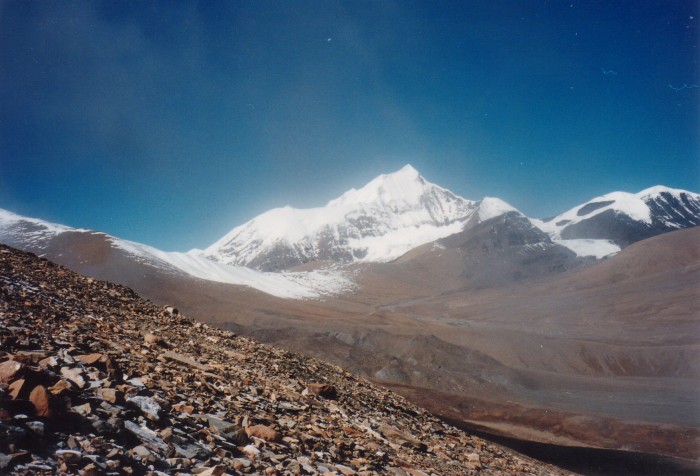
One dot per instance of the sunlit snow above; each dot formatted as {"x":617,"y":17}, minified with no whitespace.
{"x":584,"y":247}
{"x":285,"y":285}
{"x":378,"y":222}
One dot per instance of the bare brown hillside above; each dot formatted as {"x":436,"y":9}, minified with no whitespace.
{"x":604,"y":355}
{"x":95,"y":380}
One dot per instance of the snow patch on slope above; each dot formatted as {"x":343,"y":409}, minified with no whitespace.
{"x":284,"y":285}
{"x":33,"y":233}
{"x":585,"y":247}
{"x":398,"y":242}
{"x":629,"y":204}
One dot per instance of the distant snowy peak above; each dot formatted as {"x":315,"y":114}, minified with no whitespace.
{"x":379,"y":222}
{"x":401,"y":186}
{"x":491,"y":207}
{"x":672,"y":208}
{"x":620,"y":218}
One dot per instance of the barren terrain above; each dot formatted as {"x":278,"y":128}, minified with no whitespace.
{"x":605,"y":355}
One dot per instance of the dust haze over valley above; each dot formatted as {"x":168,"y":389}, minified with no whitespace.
{"x":492,"y":320}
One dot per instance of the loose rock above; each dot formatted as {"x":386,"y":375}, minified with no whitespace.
{"x":95,"y":380}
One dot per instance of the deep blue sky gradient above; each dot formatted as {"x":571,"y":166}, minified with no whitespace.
{"x":169,"y":123}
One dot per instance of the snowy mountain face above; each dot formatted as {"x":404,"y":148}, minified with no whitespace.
{"x":19,"y":231}
{"x":41,"y":237}
{"x":379,"y":222}
{"x":608,"y":223}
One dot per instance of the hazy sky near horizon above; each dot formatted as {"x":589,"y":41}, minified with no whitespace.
{"x":169,"y":123}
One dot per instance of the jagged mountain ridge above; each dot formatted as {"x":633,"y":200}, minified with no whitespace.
{"x":398,"y":212}
{"x":379,"y":222}
{"x":625,"y":218}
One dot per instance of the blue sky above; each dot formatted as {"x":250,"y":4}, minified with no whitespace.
{"x":169,"y":123}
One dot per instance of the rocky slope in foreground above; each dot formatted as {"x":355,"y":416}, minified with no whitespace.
{"x":95,"y":380}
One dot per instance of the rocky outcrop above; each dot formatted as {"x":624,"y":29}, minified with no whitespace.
{"x":95,"y":380}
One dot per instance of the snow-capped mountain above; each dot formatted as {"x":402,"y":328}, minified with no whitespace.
{"x":613,"y":221}
{"x":95,"y":252}
{"x":379,"y":222}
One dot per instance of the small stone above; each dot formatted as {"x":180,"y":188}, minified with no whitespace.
{"x":181,"y":359}
{"x":166,"y":434}
{"x":263,"y":432}
{"x":68,"y":455}
{"x":60,"y":387}
{"x":347,"y":471}
{"x":213,"y":471}
{"x":110,"y":395}
{"x":237,"y":356}
{"x":83,"y":409}
{"x":173,"y":311}
{"x":30,"y":357}
{"x":146,"y":435}
{"x":474,"y":460}
{"x":147,"y":405}
{"x":218,"y":424}
{"x":152,"y":339}
{"x":36,"y":426}
{"x":40,"y":398}
{"x":141,"y":451}
{"x":238,"y":436}
{"x":74,"y":375}
{"x":9,"y":370}
{"x":5,"y":460}
{"x":323,"y":390}
{"x":251,"y":451}
{"x":184,"y":463}
{"x":403,"y":439}
{"x":183,"y":407}
{"x":15,"y":388}
{"x":90,"y":359}
{"x":89,"y":470}
{"x":239,"y":464}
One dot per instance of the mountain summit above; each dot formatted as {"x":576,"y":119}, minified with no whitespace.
{"x":625,"y":218}
{"x":390,"y":215}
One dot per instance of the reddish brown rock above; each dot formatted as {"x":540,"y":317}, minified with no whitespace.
{"x":90,"y":359}
{"x":9,"y":370}
{"x":110,"y":395}
{"x":15,"y":388}
{"x":152,"y":339}
{"x":183,"y":408}
{"x":60,"y":387}
{"x":323,"y":390}
{"x":41,"y":399}
{"x":263,"y":432}
{"x":74,"y":375}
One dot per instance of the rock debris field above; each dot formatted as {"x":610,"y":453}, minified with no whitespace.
{"x":95,"y":380}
